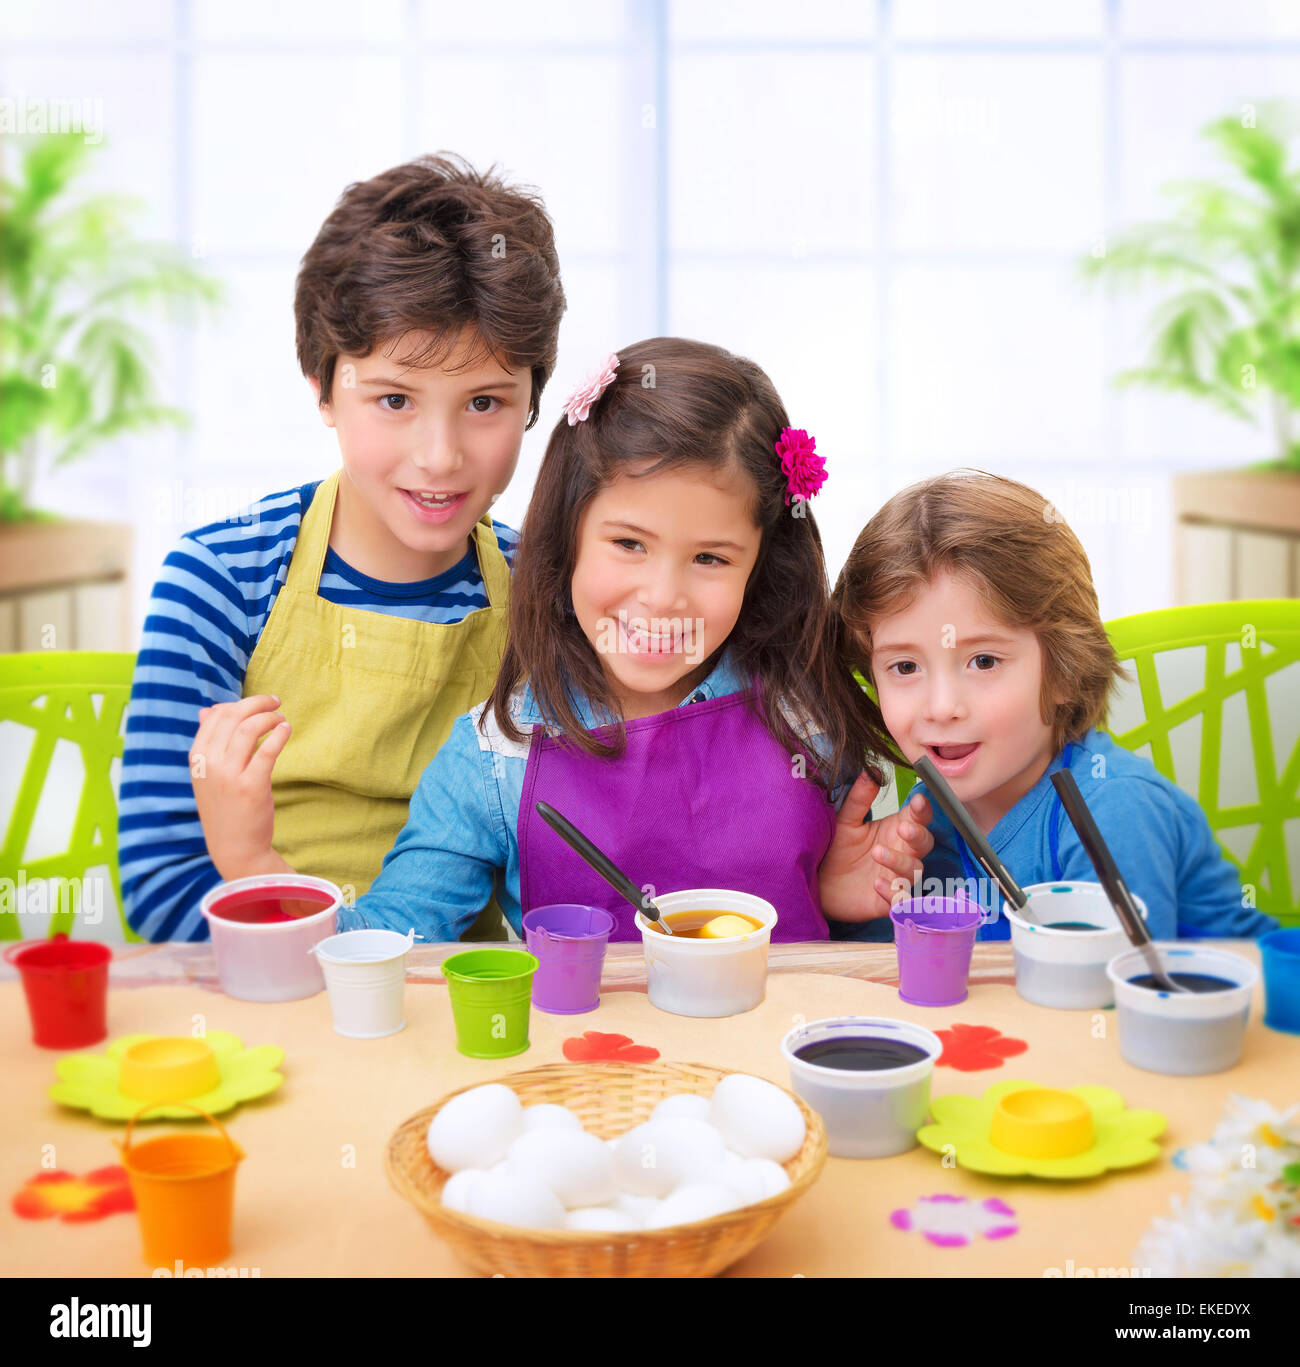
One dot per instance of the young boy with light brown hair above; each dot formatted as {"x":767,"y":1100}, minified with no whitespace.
{"x":969,"y":605}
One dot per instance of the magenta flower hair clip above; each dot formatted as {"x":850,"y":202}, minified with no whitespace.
{"x":804,"y":469}
{"x":579,"y":404}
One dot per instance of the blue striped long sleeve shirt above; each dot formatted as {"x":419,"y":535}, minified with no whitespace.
{"x":208,"y":609}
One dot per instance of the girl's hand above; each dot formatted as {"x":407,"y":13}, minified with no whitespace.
{"x":231,"y":775}
{"x":872,"y":865}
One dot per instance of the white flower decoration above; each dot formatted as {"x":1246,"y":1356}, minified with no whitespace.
{"x":1242,"y":1215}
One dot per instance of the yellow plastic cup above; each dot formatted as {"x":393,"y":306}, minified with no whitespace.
{"x":184,"y":1189}
{"x":1041,"y":1122}
{"x":169,"y":1069}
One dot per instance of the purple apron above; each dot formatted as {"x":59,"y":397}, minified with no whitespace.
{"x":703,"y":797}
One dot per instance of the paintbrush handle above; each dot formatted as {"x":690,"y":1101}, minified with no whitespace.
{"x":1126,"y":907}
{"x":965,"y":826}
{"x":599,"y":861}
{"x":1099,"y":853}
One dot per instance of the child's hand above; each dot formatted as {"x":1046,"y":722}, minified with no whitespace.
{"x":231,"y":775}
{"x":870,"y":866}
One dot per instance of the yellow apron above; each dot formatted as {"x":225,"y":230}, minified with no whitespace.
{"x":370,"y":698}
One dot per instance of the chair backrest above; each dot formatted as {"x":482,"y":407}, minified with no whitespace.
{"x":1215,"y":706}
{"x":61,"y":716}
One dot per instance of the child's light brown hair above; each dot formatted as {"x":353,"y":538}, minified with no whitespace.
{"x":1011,"y":545}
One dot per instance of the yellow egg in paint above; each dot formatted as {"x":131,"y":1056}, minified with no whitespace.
{"x":723,"y":927}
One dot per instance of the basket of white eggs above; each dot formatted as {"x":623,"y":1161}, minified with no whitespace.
{"x":608,"y":1170}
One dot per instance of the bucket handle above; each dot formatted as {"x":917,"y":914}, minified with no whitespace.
{"x":20,"y":945}
{"x":411,"y":937}
{"x":235,"y":1153}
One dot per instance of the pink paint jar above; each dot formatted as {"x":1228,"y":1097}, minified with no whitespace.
{"x":263,"y":930}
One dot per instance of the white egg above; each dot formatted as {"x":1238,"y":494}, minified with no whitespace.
{"x":550,"y":1118}
{"x":575,"y":1165}
{"x":601,"y":1218}
{"x":514,"y":1201}
{"x":654,"y":1158}
{"x":755,"y":1179}
{"x":684,"y":1103}
{"x":636,"y":1208}
{"x":455,"y":1193}
{"x":732,"y":1167}
{"x":634,"y":1167}
{"x":504,"y":1166}
{"x":756,"y":1118}
{"x":694,"y":1201}
{"x":474,"y":1129}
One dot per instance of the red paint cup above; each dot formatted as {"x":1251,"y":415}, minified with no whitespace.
{"x":66,"y":984}
{"x":263,"y":929}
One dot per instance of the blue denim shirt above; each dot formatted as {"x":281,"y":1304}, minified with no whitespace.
{"x":461,"y":837}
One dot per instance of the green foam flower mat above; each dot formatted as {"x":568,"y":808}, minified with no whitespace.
{"x":1122,"y":1138}
{"x":91,"y":1082}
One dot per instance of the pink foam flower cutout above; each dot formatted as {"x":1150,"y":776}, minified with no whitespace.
{"x":579,"y":404}
{"x":804,"y":469}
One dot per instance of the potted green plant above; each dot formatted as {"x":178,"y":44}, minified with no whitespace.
{"x":76,"y":369}
{"x":1227,"y":333}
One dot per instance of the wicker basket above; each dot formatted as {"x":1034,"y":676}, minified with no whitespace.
{"x":609,"y":1099}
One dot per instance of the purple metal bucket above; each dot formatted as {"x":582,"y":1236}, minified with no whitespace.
{"x":568,"y":942}
{"x":934,"y":937}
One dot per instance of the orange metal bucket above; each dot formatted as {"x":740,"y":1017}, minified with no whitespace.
{"x":184,"y":1189}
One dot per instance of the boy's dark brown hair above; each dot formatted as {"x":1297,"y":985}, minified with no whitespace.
{"x":1013,"y":548}
{"x":432,"y":246}
{"x":675,"y":404}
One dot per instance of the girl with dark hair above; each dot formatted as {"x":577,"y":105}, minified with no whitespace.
{"x":672,"y":680}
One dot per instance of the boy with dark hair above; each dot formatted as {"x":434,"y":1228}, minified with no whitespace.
{"x":364,"y":613}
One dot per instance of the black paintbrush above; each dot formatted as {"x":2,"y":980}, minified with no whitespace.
{"x":971,"y":834}
{"x":1109,"y":876}
{"x":602,"y":863}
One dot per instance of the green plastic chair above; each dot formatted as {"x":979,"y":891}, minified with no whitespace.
{"x":79,"y":697}
{"x":1215,"y":706}
{"x":900,"y":777}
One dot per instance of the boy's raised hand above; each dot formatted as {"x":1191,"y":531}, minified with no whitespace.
{"x":231,"y":776}
{"x":859,"y":876}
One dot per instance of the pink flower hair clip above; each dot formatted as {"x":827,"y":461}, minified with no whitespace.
{"x":804,"y":469}
{"x":579,"y":404}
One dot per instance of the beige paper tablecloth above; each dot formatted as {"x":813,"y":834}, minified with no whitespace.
{"x":312,"y":1197}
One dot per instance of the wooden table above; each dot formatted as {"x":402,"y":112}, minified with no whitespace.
{"x":312,"y":1197}
{"x":175,"y":964}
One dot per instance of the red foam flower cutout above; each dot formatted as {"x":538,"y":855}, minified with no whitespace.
{"x":804,"y":469}
{"x":74,"y":1199}
{"x":594,"y":1047}
{"x":973,"y":1048}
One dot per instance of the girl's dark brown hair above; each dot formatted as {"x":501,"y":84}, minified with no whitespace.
{"x":1013,"y":548}
{"x":673,"y":404}
{"x":432,"y":246}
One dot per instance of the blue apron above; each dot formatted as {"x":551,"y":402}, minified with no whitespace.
{"x":1000,"y":928}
